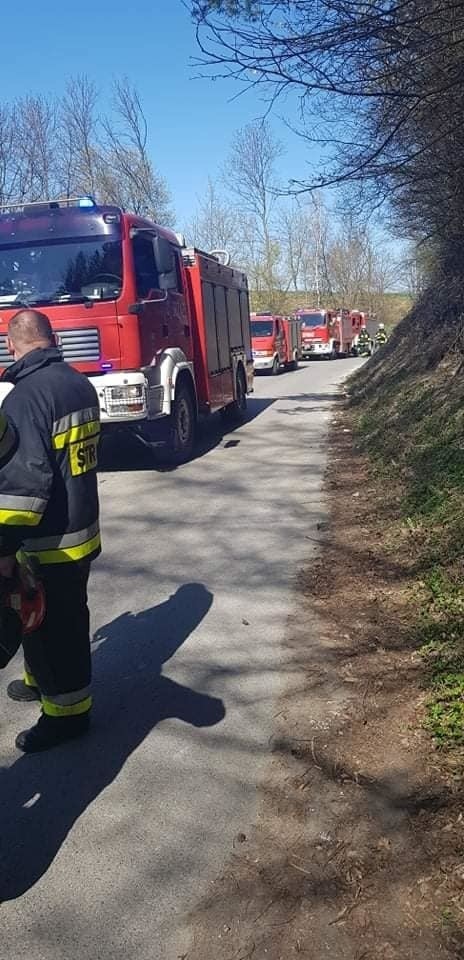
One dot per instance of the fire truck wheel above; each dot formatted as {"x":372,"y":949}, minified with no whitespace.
{"x":294,"y":363}
{"x":236,"y":411}
{"x":275,"y":367}
{"x":182,"y":434}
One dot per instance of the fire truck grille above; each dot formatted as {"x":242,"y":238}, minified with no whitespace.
{"x":76,"y":346}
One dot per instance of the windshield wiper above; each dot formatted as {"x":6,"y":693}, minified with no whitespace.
{"x":71,"y":298}
{"x":6,"y":305}
{"x":47,"y":301}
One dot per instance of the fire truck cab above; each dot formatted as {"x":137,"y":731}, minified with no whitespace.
{"x":162,"y":331}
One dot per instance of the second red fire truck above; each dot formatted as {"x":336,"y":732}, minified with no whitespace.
{"x":162,"y":331}
{"x":276,"y":342}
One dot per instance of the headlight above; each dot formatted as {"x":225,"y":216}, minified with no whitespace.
{"x":129,"y":399}
{"x":126,"y":392}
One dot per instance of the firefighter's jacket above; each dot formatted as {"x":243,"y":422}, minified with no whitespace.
{"x":381,"y":337}
{"x":8,"y":439}
{"x":48,"y":489}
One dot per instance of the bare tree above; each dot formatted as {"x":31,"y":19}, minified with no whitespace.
{"x":296,"y":243}
{"x":250,"y":175}
{"x":8,"y":161}
{"x":79,"y":137}
{"x":362,"y":269}
{"x":125,"y":171}
{"x":216,"y":223}
{"x":55,"y":148}
{"x":28,"y":147}
{"x":379,"y":83}
{"x":417,"y":269}
{"x":304,"y":231}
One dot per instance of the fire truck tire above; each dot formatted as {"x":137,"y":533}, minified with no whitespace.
{"x":275,"y":370}
{"x":236,"y":411}
{"x":294,"y":364}
{"x":183,"y":426}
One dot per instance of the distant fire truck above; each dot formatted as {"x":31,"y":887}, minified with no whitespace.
{"x":276,"y":342}
{"x":328,"y":333}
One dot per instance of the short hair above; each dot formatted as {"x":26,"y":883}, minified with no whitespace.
{"x":30,"y":326}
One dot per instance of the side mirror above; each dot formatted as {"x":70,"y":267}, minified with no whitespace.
{"x":165,"y":263}
{"x":168,"y":281}
{"x":164,"y":255}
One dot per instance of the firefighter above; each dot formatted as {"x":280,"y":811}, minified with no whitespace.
{"x":49,"y":510}
{"x":364,"y":342}
{"x":381,"y":335}
{"x":8,"y":439}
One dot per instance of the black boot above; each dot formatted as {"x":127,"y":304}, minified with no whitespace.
{"x":22,"y":692}
{"x":51,"y":731}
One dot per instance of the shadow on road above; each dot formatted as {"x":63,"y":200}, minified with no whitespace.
{"x":125,"y":452}
{"x":327,"y":398}
{"x":43,"y":796}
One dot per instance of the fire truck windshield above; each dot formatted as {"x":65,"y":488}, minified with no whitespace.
{"x":64,"y":271}
{"x":311,"y":319}
{"x":262,"y":328}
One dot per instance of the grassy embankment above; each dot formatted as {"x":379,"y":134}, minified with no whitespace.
{"x":408,"y":406}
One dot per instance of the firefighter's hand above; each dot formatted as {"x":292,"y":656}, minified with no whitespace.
{"x":7,"y":566}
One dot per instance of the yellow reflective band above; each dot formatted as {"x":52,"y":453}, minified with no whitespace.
{"x":29,"y":679}
{"x":65,"y":554}
{"x":83,"y":456}
{"x":70,"y":710}
{"x":20,"y":518}
{"x":76,"y":434}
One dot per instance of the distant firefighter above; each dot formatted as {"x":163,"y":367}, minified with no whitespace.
{"x":381,"y":335}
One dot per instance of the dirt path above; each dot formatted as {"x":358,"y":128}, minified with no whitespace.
{"x":359,"y":850}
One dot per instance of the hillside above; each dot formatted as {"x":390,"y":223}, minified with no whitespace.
{"x":409,"y":419}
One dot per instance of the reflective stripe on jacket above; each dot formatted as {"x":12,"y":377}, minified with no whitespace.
{"x":48,"y":489}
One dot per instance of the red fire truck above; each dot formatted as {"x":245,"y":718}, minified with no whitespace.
{"x":327,"y":333}
{"x":276,"y":342}
{"x":162,"y":331}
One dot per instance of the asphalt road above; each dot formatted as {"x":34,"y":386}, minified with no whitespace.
{"x":105,"y":845}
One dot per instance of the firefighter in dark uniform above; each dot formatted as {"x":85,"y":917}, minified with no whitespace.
{"x":49,"y":510}
{"x":381,"y":335}
{"x":8,"y":439}
{"x":364,"y":343}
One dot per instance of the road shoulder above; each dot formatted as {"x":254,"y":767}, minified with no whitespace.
{"x":357,"y":852}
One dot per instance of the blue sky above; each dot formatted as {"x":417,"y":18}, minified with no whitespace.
{"x":191,"y":120}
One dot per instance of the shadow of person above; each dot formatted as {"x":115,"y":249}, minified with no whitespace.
{"x":42,"y":796}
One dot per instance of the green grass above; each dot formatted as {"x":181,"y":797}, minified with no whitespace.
{"x":410,"y":421}
{"x":441,"y":629}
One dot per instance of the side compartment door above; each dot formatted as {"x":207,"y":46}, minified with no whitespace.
{"x":225,"y":358}
{"x":212,"y":348}
{"x":280,"y":339}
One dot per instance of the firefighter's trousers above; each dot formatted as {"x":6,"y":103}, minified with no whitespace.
{"x":57,"y":655}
